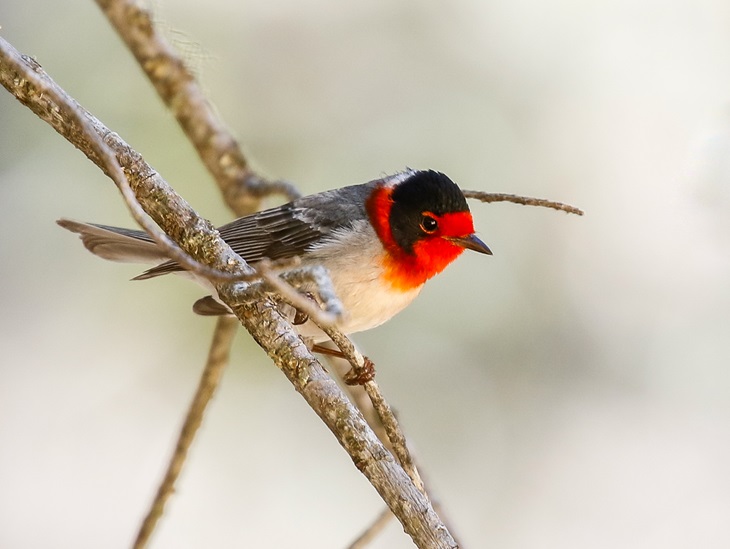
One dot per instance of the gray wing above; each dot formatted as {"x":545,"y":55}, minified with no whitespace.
{"x":288,"y":230}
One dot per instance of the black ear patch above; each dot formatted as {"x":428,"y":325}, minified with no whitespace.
{"x":424,"y":191}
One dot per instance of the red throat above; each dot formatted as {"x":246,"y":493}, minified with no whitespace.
{"x":407,"y":271}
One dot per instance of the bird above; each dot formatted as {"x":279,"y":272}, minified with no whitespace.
{"x":380,"y":242}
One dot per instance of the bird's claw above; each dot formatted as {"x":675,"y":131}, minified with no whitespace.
{"x":360,"y":376}
{"x":301,"y":317}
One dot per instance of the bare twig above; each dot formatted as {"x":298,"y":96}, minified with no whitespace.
{"x":177,"y":87}
{"x":524,"y":200}
{"x":218,"y":357}
{"x":24,"y":78}
{"x":392,"y":428}
{"x":371,"y":403}
{"x":358,"y":395}
{"x":377,"y":526}
{"x":286,"y":286}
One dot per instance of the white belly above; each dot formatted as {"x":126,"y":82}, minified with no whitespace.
{"x":355,"y":267}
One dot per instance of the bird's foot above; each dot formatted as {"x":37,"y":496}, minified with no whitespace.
{"x":362,"y":375}
{"x":354,"y":376}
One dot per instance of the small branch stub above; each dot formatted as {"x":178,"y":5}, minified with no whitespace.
{"x":523,"y":200}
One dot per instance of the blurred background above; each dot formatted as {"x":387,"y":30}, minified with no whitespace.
{"x":572,"y":390}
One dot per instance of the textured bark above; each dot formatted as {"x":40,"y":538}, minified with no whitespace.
{"x":408,"y":504}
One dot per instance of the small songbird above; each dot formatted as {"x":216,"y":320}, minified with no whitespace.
{"x":380,"y":242}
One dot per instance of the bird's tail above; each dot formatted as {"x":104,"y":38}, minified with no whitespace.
{"x":116,"y":243}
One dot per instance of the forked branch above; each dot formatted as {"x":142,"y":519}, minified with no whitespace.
{"x":241,"y":187}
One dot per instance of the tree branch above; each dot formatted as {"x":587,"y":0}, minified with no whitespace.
{"x":371,"y":532}
{"x":523,"y":200}
{"x":385,"y":414}
{"x":25,"y":79}
{"x":218,"y":358}
{"x":242,"y":189}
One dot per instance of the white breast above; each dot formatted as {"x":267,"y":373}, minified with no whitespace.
{"x":354,"y":262}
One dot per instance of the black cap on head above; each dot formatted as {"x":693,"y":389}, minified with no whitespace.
{"x":428,"y":190}
{"x":423,"y":191}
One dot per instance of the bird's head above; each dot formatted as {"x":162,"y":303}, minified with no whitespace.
{"x":424,"y":223}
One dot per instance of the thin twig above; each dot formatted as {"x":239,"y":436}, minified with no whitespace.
{"x":392,"y":428}
{"x":168,"y":246}
{"x":377,"y":526}
{"x":359,"y":396}
{"x":177,"y":87}
{"x":318,"y":277}
{"x":385,"y":424}
{"x":395,"y":434}
{"x":524,"y":200}
{"x":218,"y":358}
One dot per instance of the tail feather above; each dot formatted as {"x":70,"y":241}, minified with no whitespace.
{"x":116,"y":243}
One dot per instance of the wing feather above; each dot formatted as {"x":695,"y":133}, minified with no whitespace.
{"x":276,"y":233}
{"x":289,"y":230}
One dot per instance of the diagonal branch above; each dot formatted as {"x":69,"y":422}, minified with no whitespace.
{"x":218,"y":357}
{"x":372,"y":531}
{"x":25,"y":79}
{"x":242,"y":189}
{"x":392,"y":428}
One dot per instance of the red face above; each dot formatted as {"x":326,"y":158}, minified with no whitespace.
{"x":436,"y":241}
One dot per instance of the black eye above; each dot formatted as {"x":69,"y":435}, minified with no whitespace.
{"x":429,"y":224}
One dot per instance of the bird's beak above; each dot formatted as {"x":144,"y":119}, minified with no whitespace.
{"x":471,"y":242}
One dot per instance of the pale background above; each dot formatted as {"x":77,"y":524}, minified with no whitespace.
{"x":571,"y":391}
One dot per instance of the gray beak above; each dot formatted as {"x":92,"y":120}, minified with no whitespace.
{"x":471,"y":242}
